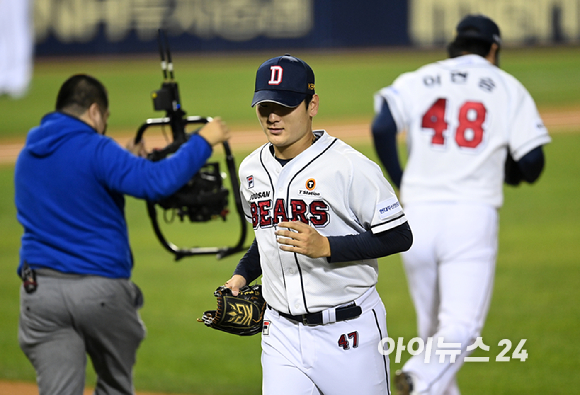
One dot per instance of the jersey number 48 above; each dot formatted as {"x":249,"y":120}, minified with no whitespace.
{"x":469,"y":131}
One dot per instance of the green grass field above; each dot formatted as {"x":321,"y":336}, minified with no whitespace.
{"x":213,"y":85}
{"x":537,"y":270}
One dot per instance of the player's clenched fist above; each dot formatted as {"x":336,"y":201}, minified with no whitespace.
{"x":302,"y":239}
{"x":215,"y":132}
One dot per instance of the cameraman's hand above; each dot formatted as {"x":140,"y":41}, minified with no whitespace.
{"x":215,"y":132}
{"x":137,"y":149}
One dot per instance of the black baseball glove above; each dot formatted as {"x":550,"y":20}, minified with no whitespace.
{"x":241,"y":315}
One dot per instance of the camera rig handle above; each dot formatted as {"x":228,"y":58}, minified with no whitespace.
{"x":203,"y":198}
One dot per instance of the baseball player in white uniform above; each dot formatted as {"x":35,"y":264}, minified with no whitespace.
{"x":16,"y":47}
{"x":470,"y":128}
{"x":322,"y":214}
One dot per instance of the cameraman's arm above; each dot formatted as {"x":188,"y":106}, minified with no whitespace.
{"x":144,"y":179}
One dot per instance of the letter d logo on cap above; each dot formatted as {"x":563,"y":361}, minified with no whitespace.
{"x":276,"y":76}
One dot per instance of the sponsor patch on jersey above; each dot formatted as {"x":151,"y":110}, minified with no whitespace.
{"x":389,"y":207}
{"x":250,"y":180}
{"x":309,"y":193}
{"x":310,"y":184}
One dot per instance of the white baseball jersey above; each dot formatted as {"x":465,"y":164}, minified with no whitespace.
{"x":460,"y":114}
{"x":331,"y":187}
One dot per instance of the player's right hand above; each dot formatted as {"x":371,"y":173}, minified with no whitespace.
{"x":303,"y":239}
{"x":235,"y":283}
{"x":215,"y":132}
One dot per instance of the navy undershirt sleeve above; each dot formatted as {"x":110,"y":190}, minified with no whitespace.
{"x":384,"y":130}
{"x":532,"y":164}
{"x":249,"y":266}
{"x":368,"y":245}
{"x":527,"y":169}
{"x":347,"y":248}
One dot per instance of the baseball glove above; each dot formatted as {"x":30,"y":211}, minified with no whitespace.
{"x":241,"y":315}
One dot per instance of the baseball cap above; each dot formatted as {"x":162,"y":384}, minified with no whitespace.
{"x":479,"y":27}
{"x":285,"y":80}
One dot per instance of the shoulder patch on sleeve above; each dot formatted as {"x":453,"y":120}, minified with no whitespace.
{"x":389,"y":207}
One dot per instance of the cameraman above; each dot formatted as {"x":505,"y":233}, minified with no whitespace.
{"x":75,"y":258}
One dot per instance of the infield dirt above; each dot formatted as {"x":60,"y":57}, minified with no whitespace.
{"x":567,"y":120}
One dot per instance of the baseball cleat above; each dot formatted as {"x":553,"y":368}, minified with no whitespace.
{"x":403,"y":382}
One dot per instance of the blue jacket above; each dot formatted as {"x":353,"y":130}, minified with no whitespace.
{"x":70,"y":184}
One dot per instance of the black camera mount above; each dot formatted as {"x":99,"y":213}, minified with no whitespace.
{"x":204,"y":197}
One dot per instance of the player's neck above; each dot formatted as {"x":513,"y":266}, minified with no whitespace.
{"x":283,"y":162}
{"x":296,"y":148}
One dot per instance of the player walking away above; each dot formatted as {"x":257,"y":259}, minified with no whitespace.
{"x":470,"y":127}
{"x":322,"y":214}
{"x":75,"y":260}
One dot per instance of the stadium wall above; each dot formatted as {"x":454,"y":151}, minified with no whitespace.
{"x":76,"y":27}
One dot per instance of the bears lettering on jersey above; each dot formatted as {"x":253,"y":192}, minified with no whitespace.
{"x":267,"y":213}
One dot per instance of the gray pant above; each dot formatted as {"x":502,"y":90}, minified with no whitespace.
{"x":68,"y":317}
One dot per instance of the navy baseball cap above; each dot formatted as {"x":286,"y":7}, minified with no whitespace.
{"x":479,"y":27}
{"x":285,"y":80}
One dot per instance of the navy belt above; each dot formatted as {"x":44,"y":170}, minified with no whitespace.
{"x":341,"y":314}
